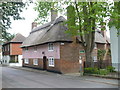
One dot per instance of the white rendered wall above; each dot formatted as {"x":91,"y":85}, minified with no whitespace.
{"x":114,"y":47}
{"x":6,"y":59}
{"x":19,"y":61}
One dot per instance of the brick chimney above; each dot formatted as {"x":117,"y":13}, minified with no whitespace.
{"x":34,"y":25}
{"x":54,"y":14}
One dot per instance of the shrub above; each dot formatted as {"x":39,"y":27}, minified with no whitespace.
{"x":103,"y":72}
{"x":110,"y":69}
{"x":12,"y":61}
{"x":91,"y":70}
{"x":88,"y":70}
{"x":96,"y":71}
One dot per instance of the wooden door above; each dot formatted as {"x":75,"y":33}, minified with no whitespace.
{"x":44,"y":62}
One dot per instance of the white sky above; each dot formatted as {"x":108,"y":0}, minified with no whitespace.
{"x":24,"y":26}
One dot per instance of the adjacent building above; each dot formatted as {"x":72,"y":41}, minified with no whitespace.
{"x":115,"y":43}
{"x":11,"y":51}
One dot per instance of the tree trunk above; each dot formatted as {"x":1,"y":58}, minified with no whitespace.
{"x":89,"y":60}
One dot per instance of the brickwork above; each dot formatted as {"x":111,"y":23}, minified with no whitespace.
{"x":69,"y":56}
{"x":70,"y":66}
{"x":100,"y":46}
{"x":57,"y":66}
{"x":15,"y":49}
{"x":40,"y":65}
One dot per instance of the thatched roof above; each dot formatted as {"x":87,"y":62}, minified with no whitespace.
{"x":53,"y":32}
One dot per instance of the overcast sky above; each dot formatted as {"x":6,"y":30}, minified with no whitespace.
{"x":24,"y":26}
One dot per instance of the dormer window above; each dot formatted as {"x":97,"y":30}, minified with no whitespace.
{"x":50,"y":47}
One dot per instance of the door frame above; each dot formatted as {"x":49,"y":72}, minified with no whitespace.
{"x":44,"y":63}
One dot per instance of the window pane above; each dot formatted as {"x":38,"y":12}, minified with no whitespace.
{"x":50,"y":46}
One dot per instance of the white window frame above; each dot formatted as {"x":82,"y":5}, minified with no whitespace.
{"x":26,"y":61}
{"x":95,"y":58}
{"x":51,"y":61}
{"x":50,"y":46}
{"x":95,"y":47}
{"x":35,"y":61}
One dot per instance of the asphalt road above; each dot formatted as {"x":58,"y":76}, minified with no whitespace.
{"x":15,"y":78}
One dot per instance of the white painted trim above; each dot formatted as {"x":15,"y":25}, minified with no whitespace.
{"x":49,"y":61}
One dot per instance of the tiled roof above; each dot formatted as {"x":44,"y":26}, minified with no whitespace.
{"x":18,"y":38}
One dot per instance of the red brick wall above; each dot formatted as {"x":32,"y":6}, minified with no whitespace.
{"x":100,"y":46}
{"x":69,"y":57}
{"x":70,"y":66}
{"x":15,"y":49}
{"x":40,"y":65}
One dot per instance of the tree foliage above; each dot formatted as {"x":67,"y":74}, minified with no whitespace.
{"x":85,"y":19}
{"x":115,"y":16}
{"x":101,"y":54}
{"x":8,"y":11}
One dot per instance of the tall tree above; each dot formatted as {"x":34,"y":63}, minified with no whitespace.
{"x":87,"y":18}
{"x":115,"y":16}
{"x":8,"y":11}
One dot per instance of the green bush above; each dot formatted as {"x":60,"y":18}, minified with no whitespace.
{"x":110,"y":69}
{"x":106,"y":71}
{"x":12,"y":61}
{"x":103,"y":72}
{"x":88,"y":70}
{"x":91,"y":70}
{"x":96,"y":71}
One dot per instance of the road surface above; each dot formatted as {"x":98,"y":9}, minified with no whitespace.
{"x":15,"y":78}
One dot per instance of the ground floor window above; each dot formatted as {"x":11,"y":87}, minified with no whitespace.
{"x":51,"y":61}
{"x":26,"y":61}
{"x":13,"y":59}
{"x":35,"y":61}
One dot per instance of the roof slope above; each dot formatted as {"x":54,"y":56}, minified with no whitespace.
{"x":52,"y":32}
{"x":99,"y":38}
{"x":18,"y":38}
